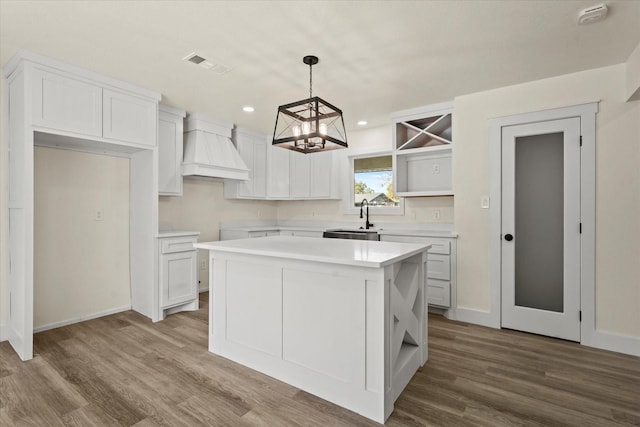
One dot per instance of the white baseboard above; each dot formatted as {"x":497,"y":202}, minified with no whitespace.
{"x":4,"y":332}
{"x":615,"y":342}
{"x":80,"y":319}
{"x":200,"y":290}
{"x":483,"y":318}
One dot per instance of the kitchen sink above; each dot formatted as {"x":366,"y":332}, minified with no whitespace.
{"x":351,"y":234}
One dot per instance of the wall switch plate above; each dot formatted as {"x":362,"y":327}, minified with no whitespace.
{"x":484,"y":202}
{"x":98,"y":214}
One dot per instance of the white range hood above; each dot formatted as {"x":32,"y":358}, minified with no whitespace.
{"x":208,"y":150}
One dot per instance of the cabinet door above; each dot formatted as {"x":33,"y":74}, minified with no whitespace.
{"x":320,"y":175}
{"x":245,"y":149}
{"x":300,"y":164}
{"x":129,"y":119}
{"x":66,"y":104}
{"x":178,"y":278}
{"x":170,"y":157}
{"x":259,"y":169}
{"x":278,"y":179}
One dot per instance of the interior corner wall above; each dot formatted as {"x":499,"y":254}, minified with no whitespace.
{"x":81,"y":265}
{"x":202,"y":207}
{"x":4,"y":312}
{"x":633,"y":75}
{"x":617,"y":187}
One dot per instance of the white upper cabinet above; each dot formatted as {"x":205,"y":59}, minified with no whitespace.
{"x":300,"y":174}
{"x":67,"y":100}
{"x":422,"y":151}
{"x":67,"y":104}
{"x":170,"y":131}
{"x":279,"y":174}
{"x":278,"y":171}
{"x":129,"y":118}
{"x":253,"y":151}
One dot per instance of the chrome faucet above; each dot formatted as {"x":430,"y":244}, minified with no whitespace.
{"x":367,"y":224}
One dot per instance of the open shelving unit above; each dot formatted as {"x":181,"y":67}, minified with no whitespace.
{"x":422,"y":151}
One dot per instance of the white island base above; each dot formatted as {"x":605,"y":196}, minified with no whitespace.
{"x":343,"y":320}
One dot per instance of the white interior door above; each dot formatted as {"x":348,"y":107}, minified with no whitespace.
{"x":541,"y":228}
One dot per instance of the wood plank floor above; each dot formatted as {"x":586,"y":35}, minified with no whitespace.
{"x":124,"y":370}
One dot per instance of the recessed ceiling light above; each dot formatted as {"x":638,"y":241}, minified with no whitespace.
{"x":362,"y":123}
{"x":248,"y":109}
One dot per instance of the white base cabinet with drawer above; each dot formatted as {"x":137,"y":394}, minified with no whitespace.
{"x":178,"y":275}
{"x":441,"y":268}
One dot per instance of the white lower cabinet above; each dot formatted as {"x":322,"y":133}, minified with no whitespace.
{"x":441,"y":267}
{"x":178,"y":276}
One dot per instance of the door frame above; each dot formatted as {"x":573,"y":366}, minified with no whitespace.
{"x":587,"y":115}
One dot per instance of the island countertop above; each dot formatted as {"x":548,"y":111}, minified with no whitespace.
{"x":364,"y":253}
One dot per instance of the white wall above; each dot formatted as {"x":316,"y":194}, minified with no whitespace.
{"x":617,"y":187}
{"x":203,"y":207}
{"x":81,"y":265}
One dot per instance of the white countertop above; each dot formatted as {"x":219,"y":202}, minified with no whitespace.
{"x":335,"y":251}
{"x":396,"y":229}
{"x":176,"y":233}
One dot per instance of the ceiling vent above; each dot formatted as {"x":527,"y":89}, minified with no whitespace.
{"x":207,"y":65}
{"x":592,"y":14}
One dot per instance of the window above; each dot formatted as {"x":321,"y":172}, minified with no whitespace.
{"x":372,"y":179}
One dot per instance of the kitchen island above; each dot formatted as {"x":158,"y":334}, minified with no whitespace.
{"x":342,"y":319}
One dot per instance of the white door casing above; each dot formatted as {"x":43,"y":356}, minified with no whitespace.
{"x":564,"y":321}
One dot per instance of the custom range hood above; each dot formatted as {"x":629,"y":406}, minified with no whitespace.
{"x":208,"y":150}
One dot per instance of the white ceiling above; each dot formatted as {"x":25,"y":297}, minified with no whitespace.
{"x":376,"y":57}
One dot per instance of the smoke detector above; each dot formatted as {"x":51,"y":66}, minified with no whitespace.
{"x":592,"y":14}
{"x":207,"y":65}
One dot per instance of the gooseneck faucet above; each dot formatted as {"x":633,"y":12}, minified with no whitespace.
{"x":367,"y":224}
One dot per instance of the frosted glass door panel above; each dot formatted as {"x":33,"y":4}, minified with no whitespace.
{"x":539,"y":228}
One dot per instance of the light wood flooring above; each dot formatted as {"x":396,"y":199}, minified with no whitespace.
{"x":124,"y":370}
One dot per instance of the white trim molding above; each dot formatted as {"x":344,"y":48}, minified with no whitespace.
{"x":477,"y":317}
{"x":4,"y":332}
{"x":589,"y":336}
{"x":80,"y":319}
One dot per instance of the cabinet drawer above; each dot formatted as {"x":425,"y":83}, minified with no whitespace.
{"x":439,"y":293}
{"x":438,"y":245}
{"x":438,"y":266}
{"x":178,"y":244}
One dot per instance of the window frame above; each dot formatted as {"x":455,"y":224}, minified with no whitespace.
{"x":350,"y":207}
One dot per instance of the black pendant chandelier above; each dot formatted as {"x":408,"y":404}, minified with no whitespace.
{"x":311,"y":125}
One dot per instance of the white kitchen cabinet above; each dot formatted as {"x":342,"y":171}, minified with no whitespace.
{"x":301,"y":233}
{"x":129,"y":118}
{"x":441,"y":267}
{"x":422,"y":151}
{"x":278,"y":173}
{"x":300,"y":174}
{"x":170,"y":129}
{"x":75,"y":105}
{"x":253,"y":150}
{"x":312,"y":175}
{"x":178,"y":275}
{"x":67,"y":104}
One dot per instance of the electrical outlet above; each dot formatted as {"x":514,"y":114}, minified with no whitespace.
{"x":436,"y":214}
{"x":203,"y":264}
{"x":435,"y":168}
{"x":98,"y":214}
